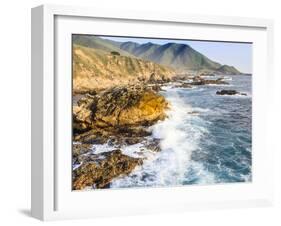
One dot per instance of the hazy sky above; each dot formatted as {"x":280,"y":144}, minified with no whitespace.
{"x":238,"y":55}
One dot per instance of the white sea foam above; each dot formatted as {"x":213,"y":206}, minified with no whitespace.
{"x":135,"y":150}
{"x":238,"y":95}
{"x":227,"y":78}
{"x":223,"y":85}
{"x":167,"y":87}
{"x":180,"y":134}
{"x":203,"y":176}
{"x":101,"y":148}
{"x":75,"y":166}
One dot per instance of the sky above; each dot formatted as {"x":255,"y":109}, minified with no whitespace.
{"x":234,"y":54}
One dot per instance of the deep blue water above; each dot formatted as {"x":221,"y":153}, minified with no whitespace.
{"x":225,"y":150}
{"x":206,"y":139}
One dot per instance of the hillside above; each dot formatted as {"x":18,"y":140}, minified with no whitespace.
{"x":98,"y":43}
{"x":225,"y":69}
{"x":98,"y":69}
{"x":180,"y":57}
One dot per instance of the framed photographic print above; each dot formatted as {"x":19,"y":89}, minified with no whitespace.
{"x":138,"y":112}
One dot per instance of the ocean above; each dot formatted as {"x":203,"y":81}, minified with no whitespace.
{"x":206,"y":139}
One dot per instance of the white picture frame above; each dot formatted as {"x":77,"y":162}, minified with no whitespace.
{"x":51,"y":195}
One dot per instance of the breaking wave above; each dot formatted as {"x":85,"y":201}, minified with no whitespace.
{"x":179,"y":136}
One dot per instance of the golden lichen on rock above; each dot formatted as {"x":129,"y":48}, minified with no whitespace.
{"x":150,"y":108}
{"x":119,"y":106}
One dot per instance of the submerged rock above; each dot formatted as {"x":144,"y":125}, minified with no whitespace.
{"x":193,"y":112}
{"x":153,"y":145}
{"x":103,"y":168}
{"x":229,"y":92}
{"x":200,"y":81}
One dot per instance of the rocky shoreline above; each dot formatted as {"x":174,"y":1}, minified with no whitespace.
{"x":117,"y":116}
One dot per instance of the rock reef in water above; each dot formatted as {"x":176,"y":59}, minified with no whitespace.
{"x":200,"y":81}
{"x":230,"y":92}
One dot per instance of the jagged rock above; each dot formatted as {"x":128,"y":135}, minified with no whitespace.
{"x":229,"y":92}
{"x":104,"y":167}
{"x":82,"y":113}
{"x":153,"y":145}
{"x":207,"y":73}
{"x":114,"y":135}
{"x":117,"y":116}
{"x":183,"y":85}
{"x":129,"y":106}
{"x":119,"y":110}
{"x":155,"y":87}
{"x":79,"y":149}
{"x":200,"y":81}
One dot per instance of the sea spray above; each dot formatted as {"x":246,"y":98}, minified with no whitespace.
{"x":179,"y":136}
{"x":206,"y":139}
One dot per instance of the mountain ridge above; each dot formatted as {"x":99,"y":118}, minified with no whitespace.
{"x":180,"y":57}
{"x":176,"y":55}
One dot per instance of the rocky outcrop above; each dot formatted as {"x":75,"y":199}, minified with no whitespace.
{"x":200,"y":81}
{"x":120,"y":110}
{"x":183,"y":85}
{"x":80,"y":149}
{"x":206,"y":73}
{"x":129,"y":106}
{"x":102,"y":168}
{"x":116,"y":116}
{"x":113,"y":135}
{"x":230,"y":92}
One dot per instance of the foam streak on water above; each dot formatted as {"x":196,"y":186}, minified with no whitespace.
{"x":205,"y":139}
{"x":180,"y":134}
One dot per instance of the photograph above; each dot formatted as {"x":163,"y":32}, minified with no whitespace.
{"x":160,"y":112}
